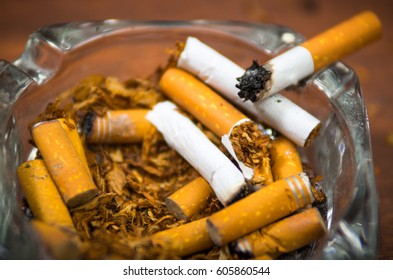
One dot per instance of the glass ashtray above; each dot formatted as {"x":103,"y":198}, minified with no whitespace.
{"x":57,"y":57}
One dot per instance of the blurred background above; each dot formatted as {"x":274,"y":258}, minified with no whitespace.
{"x":374,"y":64}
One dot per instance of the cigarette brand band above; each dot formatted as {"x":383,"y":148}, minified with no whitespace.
{"x":104,"y":129}
{"x":263,"y":207}
{"x":117,"y":126}
{"x":242,"y":245}
{"x":283,"y":236}
{"x":301,"y":190}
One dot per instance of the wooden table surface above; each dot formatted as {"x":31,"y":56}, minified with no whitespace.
{"x":374,"y":64}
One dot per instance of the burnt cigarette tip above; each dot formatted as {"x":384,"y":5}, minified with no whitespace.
{"x":214,"y":233}
{"x":87,"y":123}
{"x":176,"y":210}
{"x":253,"y":82}
{"x":82,"y":198}
{"x":237,"y":247}
{"x":243,"y":192}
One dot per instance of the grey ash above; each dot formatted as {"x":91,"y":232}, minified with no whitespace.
{"x":253,"y":81}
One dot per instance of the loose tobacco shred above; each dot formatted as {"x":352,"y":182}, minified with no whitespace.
{"x":251,"y":147}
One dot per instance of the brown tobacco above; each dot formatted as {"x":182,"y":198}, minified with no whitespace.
{"x":252,"y":148}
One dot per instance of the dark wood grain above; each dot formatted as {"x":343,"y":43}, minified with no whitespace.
{"x":373,"y":64}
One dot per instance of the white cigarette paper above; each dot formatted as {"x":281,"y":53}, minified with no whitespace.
{"x":221,"y":73}
{"x":191,"y":143}
{"x":289,"y":68}
{"x":248,"y":172}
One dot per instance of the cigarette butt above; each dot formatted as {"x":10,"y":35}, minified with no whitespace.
{"x":64,"y":163}
{"x":288,"y":68}
{"x":192,"y":144}
{"x":283,"y":236}
{"x":60,"y":244}
{"x":201,"y":101}
{"x":42,"y":194}
{"x":71,"y":129}
{"x":260,"y":208}
{"x":344,"y":39}
{"x":221,"y":73}
{"x":185,"y":239}
{"x":190,"y":199}
{"x":285,"y":159}
{"x":119,"y":126}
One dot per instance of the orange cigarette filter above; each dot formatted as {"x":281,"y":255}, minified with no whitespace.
{"x":120,"y":126}
{"x":60,"y":244}
{"x":64,"y":163}
{"x":344,"y":39}
{"x":261,"y":208}
{"x":190,"y":199}
{"x":71,"y":129}
{"x":285,"y":158}
{"x":201,"y":101}
{"x":284,"y":236}
{"x":42,"y":194}
{"x":185,"y":239}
